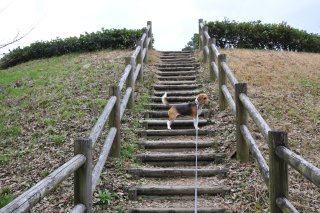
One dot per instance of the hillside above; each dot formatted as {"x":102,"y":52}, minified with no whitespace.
{"x":46,"y":104}
{"x":285,"y":87}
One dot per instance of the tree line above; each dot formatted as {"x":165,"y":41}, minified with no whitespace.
{"x":104,"y":39}
{"x":256,"y":35}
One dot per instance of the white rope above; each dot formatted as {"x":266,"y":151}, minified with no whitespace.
{"x":196,"y":172}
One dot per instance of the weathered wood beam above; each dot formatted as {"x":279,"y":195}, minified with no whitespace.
{"x":229,"y":99}
{"x":175,"y":172}
{"x":134,"y":192}
{"x":80,"y":208}
{"x":304,"y":167}
{"x":263,"y":166}
{"x":241,"y":119}
{"x":255,"y":115}
{"x":102,"y":158}
{"x":98,"y":127}
{"x":124,"y":101}
{"x":229,"y":74}
{"x":124,"y":77}
{"x":285,"y":205}
{"x":32,"y":196}
{"x":180,"y":157}
{"x":278,"y":170}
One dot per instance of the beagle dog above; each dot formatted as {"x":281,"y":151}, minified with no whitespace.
{"x":193,"y":109}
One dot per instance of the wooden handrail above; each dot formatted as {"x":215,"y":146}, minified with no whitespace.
{"x":32,"y":196}
{"x":229,"y":74}
{"x":96,"y":130}
{"x":229,"y":99}
{"x":255,"y":115}
{"x":102,"y":158}
{"x":280,"y":155}
{"x":124,"y":77}
{"x":305,"y":168}
{"x":285,"y":205}
{"x":86,"y":178}
{"x":263,"y":166}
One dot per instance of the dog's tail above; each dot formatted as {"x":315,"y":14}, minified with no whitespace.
{"x":164,"y":99}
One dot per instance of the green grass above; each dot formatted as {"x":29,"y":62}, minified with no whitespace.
{"x":46,"y":104}
{"x":43,"y":100}
{"x":105,"y":197}
{"x":6,"y":196}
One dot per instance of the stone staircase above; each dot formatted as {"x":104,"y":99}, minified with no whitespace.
{"x":166,"y":170}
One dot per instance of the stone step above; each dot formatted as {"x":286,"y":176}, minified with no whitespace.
{"x":195,"y":65}
{"x":179,"y":210}
{"x":175,"y":87}
{"x":175,"y":57}
{"x":176,"y":124}
{"x":180,"y":157}
{"x":160,"y":106}
{"x":174,"y":144}
{"x":176,"y":52}
{"x":178,"y":92}
{"x":177,"y":73}
{"x":176,"y":82}
{"x":172,"y":99}
{"x":176,"y":78}
{"x":177,"y":60}
{"x":173,"y":132}
{"x":155,"y":190}
{"x":164,"y":114}
{"x":176,"y":172}
{"x":174,"y":69}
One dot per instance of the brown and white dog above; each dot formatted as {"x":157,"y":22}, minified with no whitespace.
{"x":193,"y":109}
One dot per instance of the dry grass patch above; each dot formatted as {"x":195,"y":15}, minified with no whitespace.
{"x":285,"y":88}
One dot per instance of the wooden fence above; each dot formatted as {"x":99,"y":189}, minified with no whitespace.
{"x":276,"y":174}
{"x":87,"y":175}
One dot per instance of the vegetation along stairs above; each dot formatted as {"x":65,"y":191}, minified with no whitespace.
{"x":167,"y":164}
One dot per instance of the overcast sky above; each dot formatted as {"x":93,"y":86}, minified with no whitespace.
{"x":174,"y":21}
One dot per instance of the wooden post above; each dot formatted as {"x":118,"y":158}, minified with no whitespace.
{"x":150,"y":34}
{"x":114,"y":121}
{"x":145,"y":60}
{"x":139,"y":60}
{"x":200,"y":34}
{"x":213,"y":77}
{"x":214,"y":42}
{"x":278,"y":170}
{"x":205,"y":44}
{"x":83,"y":176}
{"x":241,"y":119}
{"x":222,"y":81}
{"x":130,"y":79}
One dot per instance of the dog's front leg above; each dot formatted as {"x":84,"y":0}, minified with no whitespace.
{"x":169,"y":124}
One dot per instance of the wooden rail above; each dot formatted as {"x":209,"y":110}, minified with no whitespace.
{"x":276,"y":174}
{"x":87,"y":175}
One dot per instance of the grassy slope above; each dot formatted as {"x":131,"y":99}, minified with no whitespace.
{"x":285,"y":88}
{"x":46,"y":104}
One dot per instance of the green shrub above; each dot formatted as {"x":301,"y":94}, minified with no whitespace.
{"x":256,"y":35}
{"x":104,"y":39}
{"x":106,"y":197}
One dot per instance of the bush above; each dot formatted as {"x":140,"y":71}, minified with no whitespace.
{"x":256,"y":35}
{"x":104,"y":39}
